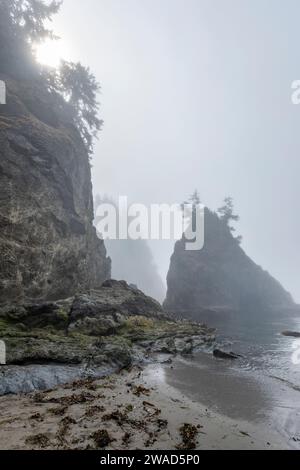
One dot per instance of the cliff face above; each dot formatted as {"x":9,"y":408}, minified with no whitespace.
{"x":48,"y":245}
{"x":220,"y":275}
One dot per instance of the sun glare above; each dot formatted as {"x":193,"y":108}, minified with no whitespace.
{"x":52,"y":52}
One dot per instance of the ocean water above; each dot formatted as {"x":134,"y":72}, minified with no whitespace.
{"x":263,"y":386}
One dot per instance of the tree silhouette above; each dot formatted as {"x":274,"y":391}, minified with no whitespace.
{"x":28,"y":17}
{"x":79,"y":88}
{"x":189,"y":213}
{"x":227,"y":215}
{"x":22,"y":27}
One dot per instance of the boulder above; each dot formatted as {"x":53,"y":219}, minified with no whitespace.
{"x":224,"y":355}
{"x":103,"y":311}
{"x":292,"y":334}
{"x":106,"y":329}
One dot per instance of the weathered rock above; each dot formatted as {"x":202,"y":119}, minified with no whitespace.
{"x":48,"y":245}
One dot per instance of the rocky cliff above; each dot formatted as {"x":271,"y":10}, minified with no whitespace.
{"x":221,"y":275}
{"x":48,"y":245}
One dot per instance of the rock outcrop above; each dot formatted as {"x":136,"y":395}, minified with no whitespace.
{"x":220,"y":276}
{"x":88,"y":335}
{"x":291,"y":334}
{"x":101,"y":312}
{"x":48,"y":245}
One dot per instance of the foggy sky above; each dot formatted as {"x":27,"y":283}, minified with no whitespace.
{"x":197,"y":93}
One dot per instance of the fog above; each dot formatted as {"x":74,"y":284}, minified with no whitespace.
{"x":197,"y":94}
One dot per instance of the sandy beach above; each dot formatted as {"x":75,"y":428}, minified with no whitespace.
{"x":134,"y":409}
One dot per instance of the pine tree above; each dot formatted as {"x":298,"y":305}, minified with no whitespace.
{"x":226,"y":212}
{"x":189,"y":214}
{"x":195,"y":198}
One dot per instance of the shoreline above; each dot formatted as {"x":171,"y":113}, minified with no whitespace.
{"x":130,"y":410}
{"x":219,"y":432}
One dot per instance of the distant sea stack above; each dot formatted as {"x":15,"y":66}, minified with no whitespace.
{"x":220,"y":276}
{"x":48,"y":245}
{"x":132,"y":260}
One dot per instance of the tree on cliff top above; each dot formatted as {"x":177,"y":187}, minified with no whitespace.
{"x":227,"y":215}
{"x":79,"y":88}
{"x":22,"y":27}
{"x":226,"y":212}
{"x":194,"y":199}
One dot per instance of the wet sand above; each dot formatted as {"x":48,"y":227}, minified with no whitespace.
{"x":248,"y":395}
{"x":130,"y":410}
